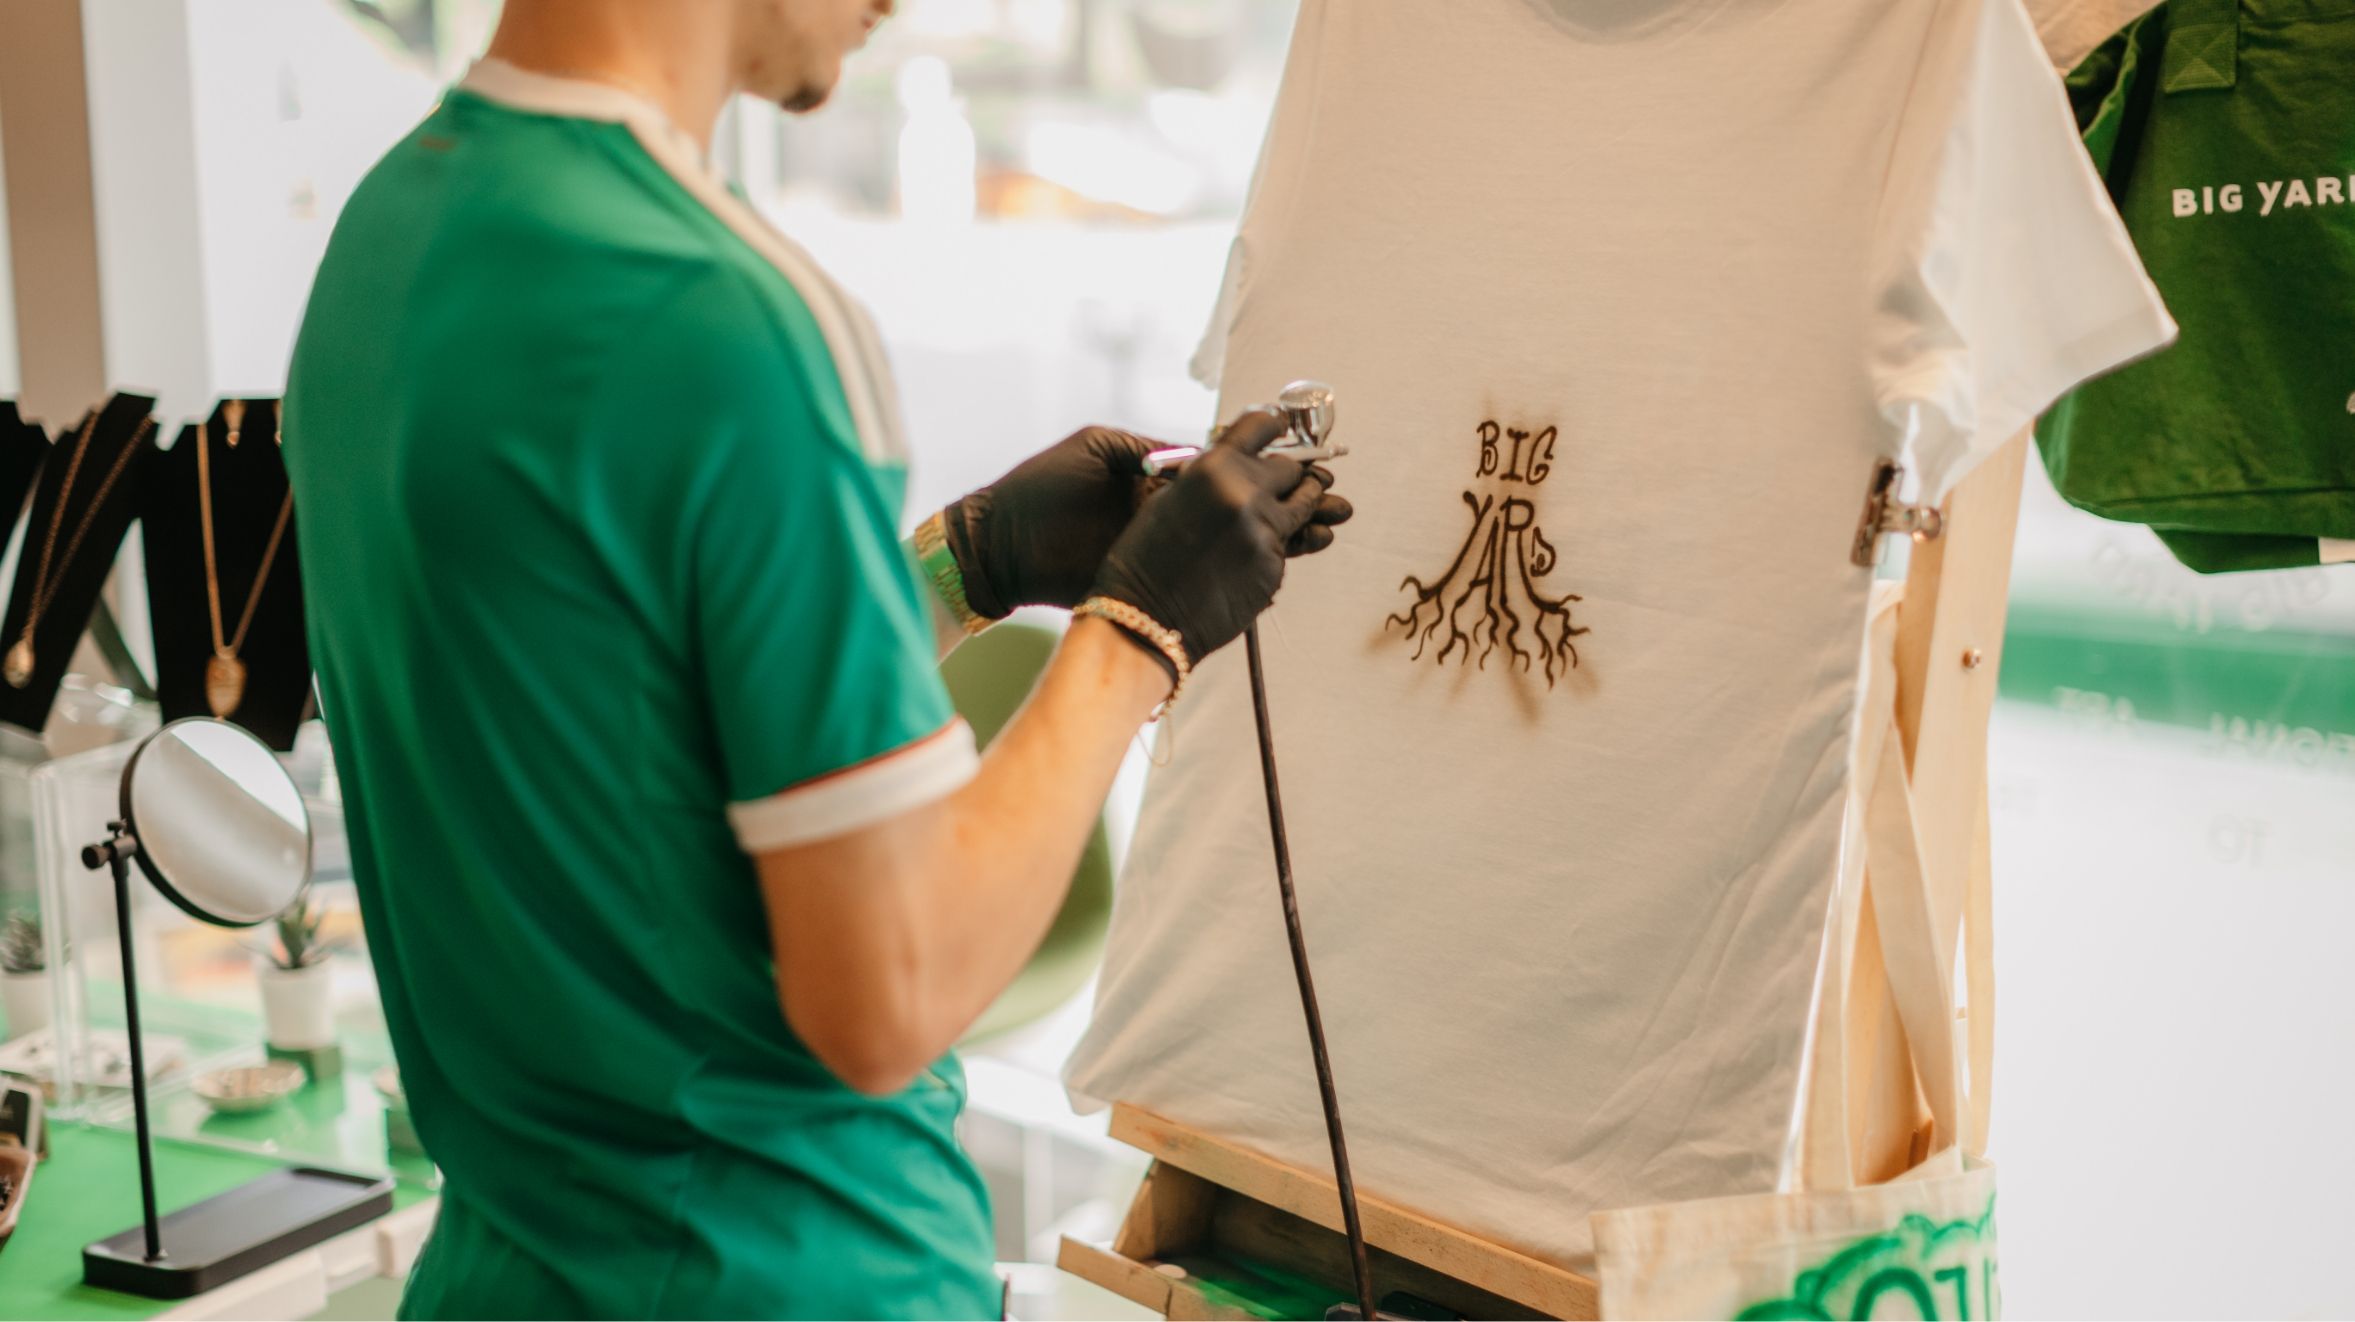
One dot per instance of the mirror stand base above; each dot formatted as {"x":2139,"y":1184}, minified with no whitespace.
{"x":209,"y":1244}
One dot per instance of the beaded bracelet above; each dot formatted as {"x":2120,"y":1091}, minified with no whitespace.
{"x":1153,"y":631}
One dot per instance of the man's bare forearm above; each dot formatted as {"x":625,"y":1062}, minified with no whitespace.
{"x":1014,"y":834}
{"x":892,"y":939}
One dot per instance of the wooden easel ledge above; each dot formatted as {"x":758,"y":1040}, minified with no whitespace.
{"x":1205,"y":1197}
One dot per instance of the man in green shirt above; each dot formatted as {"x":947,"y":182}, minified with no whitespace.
{"x":679,"y":873}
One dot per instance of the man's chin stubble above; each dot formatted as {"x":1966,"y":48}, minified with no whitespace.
{"x":806,"y":100}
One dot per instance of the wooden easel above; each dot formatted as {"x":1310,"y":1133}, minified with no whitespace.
{"x":1206,"y":1199}
{"x":1210,"y":1212}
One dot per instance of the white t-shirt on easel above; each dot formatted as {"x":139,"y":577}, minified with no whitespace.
{"x":1622,"y":302}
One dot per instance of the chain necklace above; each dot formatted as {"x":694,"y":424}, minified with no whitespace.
{"x":17,"y":668}
{"x":224,"y":673}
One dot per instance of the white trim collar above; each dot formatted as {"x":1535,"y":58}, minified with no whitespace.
{"x":518,"y":88}
{"x":574,"y":98}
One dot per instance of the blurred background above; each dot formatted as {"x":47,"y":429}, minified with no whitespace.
{"x":1035,"y":198}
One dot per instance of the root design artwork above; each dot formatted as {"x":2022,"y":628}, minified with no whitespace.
{"x":1488,"y":597}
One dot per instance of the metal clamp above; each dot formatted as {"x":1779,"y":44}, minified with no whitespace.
{"x":1884,"y":513}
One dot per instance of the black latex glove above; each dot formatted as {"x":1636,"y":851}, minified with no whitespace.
{"x":1205,"y":556}
{"x":1038,"y":535}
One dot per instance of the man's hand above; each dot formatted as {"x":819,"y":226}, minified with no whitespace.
{"x":1038,"y":536}
{"x":1206,"y":557}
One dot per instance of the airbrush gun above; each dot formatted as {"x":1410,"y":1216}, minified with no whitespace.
{"x":1307,"y":407}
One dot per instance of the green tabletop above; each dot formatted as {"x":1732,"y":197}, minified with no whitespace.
{"x":88,"y":1188}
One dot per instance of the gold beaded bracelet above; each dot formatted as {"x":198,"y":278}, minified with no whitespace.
{"x":940,"y":567}
{"x":1153,"y":631}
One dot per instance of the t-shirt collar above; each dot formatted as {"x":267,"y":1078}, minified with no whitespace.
{"x":572,"y":98}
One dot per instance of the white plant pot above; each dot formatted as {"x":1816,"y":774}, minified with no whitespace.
{"x":298,"y":1006}
{"x":24,"y":999}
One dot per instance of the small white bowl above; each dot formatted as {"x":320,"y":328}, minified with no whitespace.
{"x":249,"y":1087}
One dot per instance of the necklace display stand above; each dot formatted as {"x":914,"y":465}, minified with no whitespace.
{"x":1220,"y":1231}
{"x":63,"y":594}
{"x":23,"y":445}
{"x":248,"y":491}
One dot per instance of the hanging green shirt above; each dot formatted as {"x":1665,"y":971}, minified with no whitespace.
{"x":600,"y":486}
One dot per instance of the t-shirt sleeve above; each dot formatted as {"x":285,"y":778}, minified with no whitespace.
{"x":807,"y":621}
{"x":1268,"y":200}
{"x":2002,"y":275}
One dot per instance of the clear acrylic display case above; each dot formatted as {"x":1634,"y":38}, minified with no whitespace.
{"x":88,"y":715}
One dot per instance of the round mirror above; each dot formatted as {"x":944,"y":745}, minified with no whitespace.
{"x":221,"y":827}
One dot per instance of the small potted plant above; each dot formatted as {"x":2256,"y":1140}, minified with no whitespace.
{"x":24,"y":975}
{"x":298,"y":1005}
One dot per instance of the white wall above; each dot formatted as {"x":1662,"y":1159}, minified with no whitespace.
{"x":9,"y":380}
{"x":143,"y":181}
{"x":2173,"y":915}
{"x":2176,"y":1026}
{"x":293,"y":105}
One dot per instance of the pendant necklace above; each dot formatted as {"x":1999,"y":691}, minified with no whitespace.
{"x":17,"y":668}
{"x":224,"y":674}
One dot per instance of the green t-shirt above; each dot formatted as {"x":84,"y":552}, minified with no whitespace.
{"x":600,"y":486}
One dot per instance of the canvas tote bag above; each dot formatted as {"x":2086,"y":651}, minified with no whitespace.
{"x":1921,"y":1245}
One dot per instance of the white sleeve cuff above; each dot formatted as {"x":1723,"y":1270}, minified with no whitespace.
{"x":859,"y":795}
{"x":1958,"y":427}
